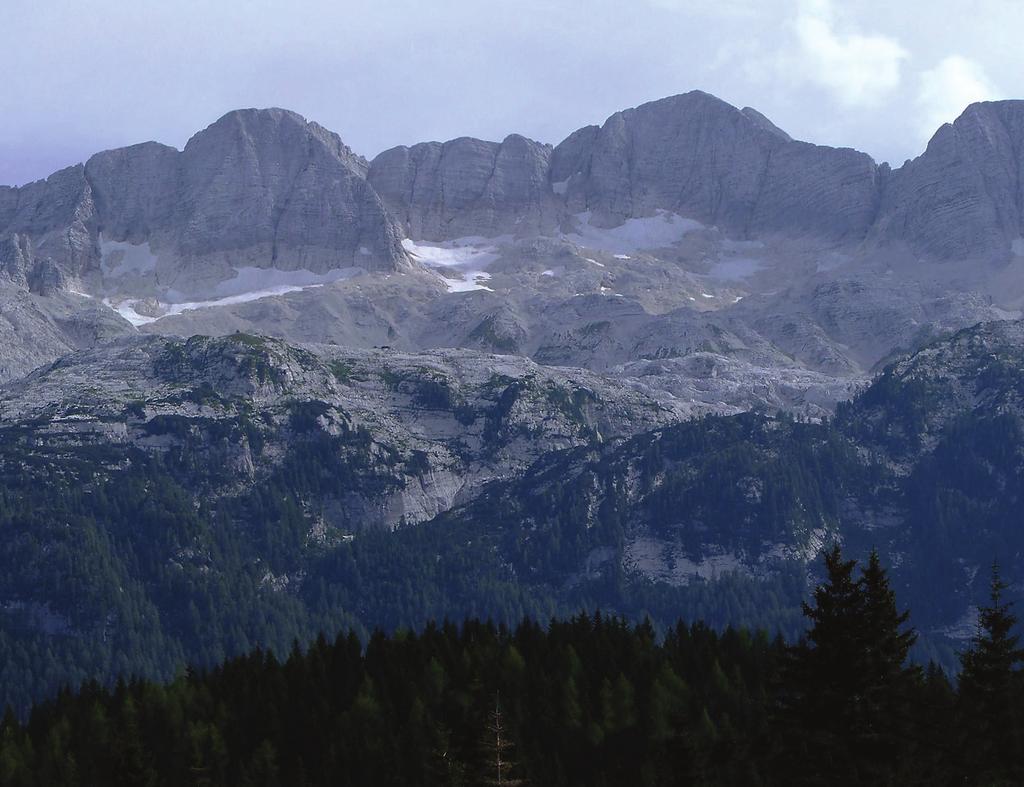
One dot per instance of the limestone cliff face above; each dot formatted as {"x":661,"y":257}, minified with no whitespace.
{"x":467,"y":186}
{"x":964,"y":196}
{"x":702,"y":158}
{"x":47,"y":230}
{"x":835,"y":273}
{"x":268,"y":187}
{"x":260,"y":188}
{"x":135,"y":189}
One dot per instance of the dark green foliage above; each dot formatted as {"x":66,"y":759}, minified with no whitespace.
{"x":587,"y":701}
{"x":991,"y":695}
{"x":111,"y":568}
{"x":847,"y":689}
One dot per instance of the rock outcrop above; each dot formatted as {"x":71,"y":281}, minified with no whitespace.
{"x":454,"y":420}
{"x":258,"y":188}
{"x":697,"y":156}
{"x":48,"y":230}
{"x":468,"y":187}
{"x":964,"y":196}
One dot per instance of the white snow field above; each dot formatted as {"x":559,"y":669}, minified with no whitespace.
{"x":249,"y":284}
{"x":460,"y":262}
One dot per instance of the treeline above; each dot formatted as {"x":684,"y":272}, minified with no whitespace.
{"x":587,"y":701}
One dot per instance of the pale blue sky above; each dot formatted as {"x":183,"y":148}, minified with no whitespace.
{"x":880,"y":76}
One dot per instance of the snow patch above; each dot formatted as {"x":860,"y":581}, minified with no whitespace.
{"x":461,"y":263}
{"x":651,"y":232}
{"x":127,"y":307}
{"x":254,"y":283}
{"x":547,"y":273}
{"x":706,"y":295}
{"x":249,"y":284}
{"x":593,"y":262}
{"x":831,"y":261}
{"x":621,"y":256}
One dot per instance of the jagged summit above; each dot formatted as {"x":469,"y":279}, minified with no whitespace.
{"x":685,"y":204}
{"x":256,"y":189}
{"x":277,"y":123}
{"x":962,"y":197}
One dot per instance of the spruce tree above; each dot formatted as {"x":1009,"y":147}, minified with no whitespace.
{"x":844,"y":704}
{"x":886,"y":719}
{"x":990,"y":694}
{"x":820,"y":684}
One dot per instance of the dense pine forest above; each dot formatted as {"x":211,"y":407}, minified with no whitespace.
{"x":590,"y":700}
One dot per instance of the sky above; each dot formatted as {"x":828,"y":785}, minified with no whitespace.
{"x":81,"y":76}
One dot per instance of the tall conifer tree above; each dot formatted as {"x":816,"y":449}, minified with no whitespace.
{"x":991,"y":695}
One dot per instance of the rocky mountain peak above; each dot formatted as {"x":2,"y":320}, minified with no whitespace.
{"x":962,"y":198}
{"x":258,"y":189}
{"x":698,"y":156}
{"x":467,"y":186}
{"x":765,"y":123}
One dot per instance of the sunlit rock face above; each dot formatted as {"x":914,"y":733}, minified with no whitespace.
{"x":963,"y":198}
{"x":258,"y":188}
{"x":468,"y":187}
{"x":699,"y":157}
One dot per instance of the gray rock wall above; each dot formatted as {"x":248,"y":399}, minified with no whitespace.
{"x":467,"y":186}
{"x":964,"y":196}
{"x":259,"y":188}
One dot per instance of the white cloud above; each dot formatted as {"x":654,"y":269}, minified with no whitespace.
{"x":859,"y":70}
{"x":948,"y":88}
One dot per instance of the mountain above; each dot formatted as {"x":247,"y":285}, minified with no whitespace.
{"x":699,"y":157}
{"x":652,"y":369}
{"x":712,"y":228}
{"x":964,"y":197}
{"x":168,"y":500}
{"x":468,"y":187}
{"x":257,"y":189}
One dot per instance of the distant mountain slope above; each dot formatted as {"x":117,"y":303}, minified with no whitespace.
{"x":925,"y":464}
{"x":167,"y":500}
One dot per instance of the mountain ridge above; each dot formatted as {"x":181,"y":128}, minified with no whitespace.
{"x":681,"y":226}
{"x":147,"y":482}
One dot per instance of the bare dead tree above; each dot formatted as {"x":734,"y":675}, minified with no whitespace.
{"x":499,"y":747}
